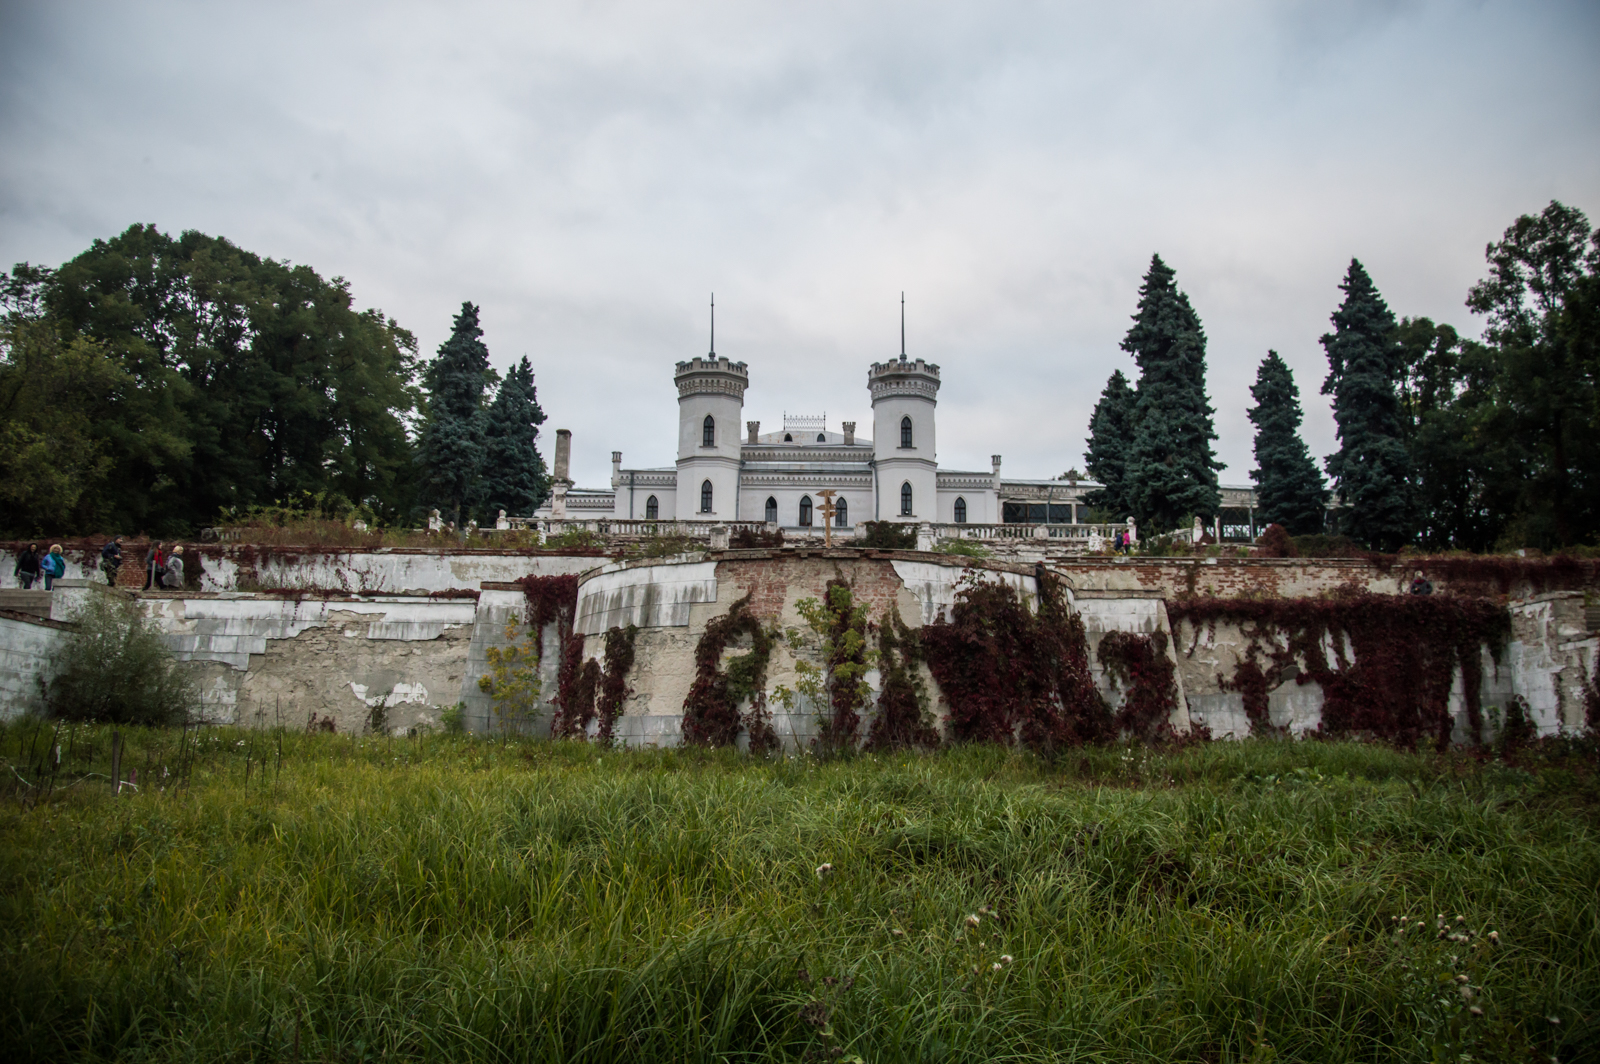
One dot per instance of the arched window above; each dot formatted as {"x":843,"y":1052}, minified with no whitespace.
{"x":772,"y":510}
{"x":905,"y":432}
{"x":961,"y":511}
{"x":841,"y":514}
{"x":708,"y":432}
{"x":805,"y":511}
{"x":788,"y":437}
{"x":652,"y":509}
{"x":905,"y":499}
{"x":822,"y":438}
{"x":705,"y":497}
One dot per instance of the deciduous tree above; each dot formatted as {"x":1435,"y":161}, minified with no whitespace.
{"x":1542,"y":299}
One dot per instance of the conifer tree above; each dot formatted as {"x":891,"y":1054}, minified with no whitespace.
{"x":1290,"y":491}
{"x":1110,"y":438}
{"x":1171,"y":471}
{"x":451,"y":448}
{"x":1371,"y":470}
{"x":514,"y":473}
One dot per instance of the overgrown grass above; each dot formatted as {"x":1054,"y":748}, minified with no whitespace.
{"x":446,"y":898}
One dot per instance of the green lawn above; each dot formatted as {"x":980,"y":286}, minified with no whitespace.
{"x":444,"y":898}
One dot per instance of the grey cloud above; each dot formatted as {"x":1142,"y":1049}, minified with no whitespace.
{"x":588,"y":173}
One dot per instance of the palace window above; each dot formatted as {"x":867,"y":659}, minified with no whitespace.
{"x":905,"y":432}
{"x":822,"y":438}
{"x":652,"y":509}
{"x":708,"y":432}
{"x":805,"y":511}
{"x":841,"y":514}
{"x":705,"y":497}
{"x":905,"y":499}
{"x":961,"y":511}
{"x":772,"y":510}
{"x":788,"y":437}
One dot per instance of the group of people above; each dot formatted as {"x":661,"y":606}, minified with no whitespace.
{"x":163,"y":569}
{"x":33,"y":566}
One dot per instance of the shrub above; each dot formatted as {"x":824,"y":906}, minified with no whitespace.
{"x":751,"y":538}
{"x":890,"y":535}
{"x":967,"y":548}
{"x":1322,"y":546}
{"x":116,"y":669}
{"x":666,"y":546}
{"x":1276,"y":542}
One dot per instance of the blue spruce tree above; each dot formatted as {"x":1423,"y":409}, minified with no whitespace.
{"x":1290,"y":491}
{"x":514,"y":475}
{"x":1171,"y":471}
{"x":1110,"y":439}
{"x":451,"y":447}
{"x":1372,"y":469}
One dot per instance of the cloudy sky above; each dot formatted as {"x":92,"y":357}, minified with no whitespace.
{"x":589,"y":173}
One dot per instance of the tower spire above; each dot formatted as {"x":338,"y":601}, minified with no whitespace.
{"x":713,"y":325}
{"x":902,"y":326}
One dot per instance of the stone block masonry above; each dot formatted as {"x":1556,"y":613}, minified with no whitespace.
{"x":266,"y":659}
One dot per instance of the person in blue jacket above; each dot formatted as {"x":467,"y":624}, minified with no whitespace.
{"x":52,"y":566}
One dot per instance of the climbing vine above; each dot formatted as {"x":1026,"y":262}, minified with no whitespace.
{"x":1008,"y":672}
{"x":554,"y":600}
{"x":839,"y":683}
{"x":711,"y":711}
{"x":1140,"y":664}
{"x":1393,"y":656}
{"x":904,"y":719}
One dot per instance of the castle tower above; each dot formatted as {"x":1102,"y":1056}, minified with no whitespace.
{"x":710,"y":408}
{"x":904,"y":395}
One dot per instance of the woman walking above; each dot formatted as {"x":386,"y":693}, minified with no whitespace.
{"x":52,"y":566}
{"x":154,"y":567}
{"x":173,"y":577}
{"x":27,"y":570}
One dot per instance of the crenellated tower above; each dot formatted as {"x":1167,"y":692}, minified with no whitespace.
{"x":710,"y":408}
{"x":904,"y":395}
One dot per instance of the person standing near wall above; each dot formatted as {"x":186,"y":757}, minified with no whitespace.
{"x":154,"y":566}
{"x":111,"y":559}
{"x":27,"y":570}
{"x":173,"y":575}
{"x":52,"y":566}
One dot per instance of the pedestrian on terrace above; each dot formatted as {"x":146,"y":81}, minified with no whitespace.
{"x":52,"y":566}
{"x":111,"y":559}
{"x":27,"y":570}
{"x":154,"y":566}
{"x":173,"y":576}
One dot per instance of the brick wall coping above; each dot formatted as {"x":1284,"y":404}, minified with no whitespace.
{"x":34,"y":618}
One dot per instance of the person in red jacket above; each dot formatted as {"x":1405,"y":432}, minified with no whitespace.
{"x":155,"y":566}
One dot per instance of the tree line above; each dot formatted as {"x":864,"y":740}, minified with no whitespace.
{"x":1444,"y":442}
{"x":158,"y":384}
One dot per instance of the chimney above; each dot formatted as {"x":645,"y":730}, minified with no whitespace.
{"x":994,"y":459}
{"x":849,"y":433}
{"x":753,"y":428}
{"x":563,"y":455}
{"x":616,"y":469}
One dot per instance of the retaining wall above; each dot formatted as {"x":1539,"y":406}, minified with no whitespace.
{"x":270,"y":658}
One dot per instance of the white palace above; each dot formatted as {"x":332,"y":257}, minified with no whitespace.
{"x":726,"y":476}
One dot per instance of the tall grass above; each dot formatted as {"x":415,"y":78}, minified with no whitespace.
{"x":445,"y":898}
